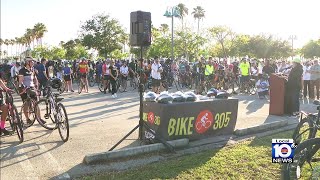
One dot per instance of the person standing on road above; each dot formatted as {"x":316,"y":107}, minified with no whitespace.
{"x":42,"y":76}
{"x":293,"y":88}
{"x":306,"y":81}
{"x":67,"y":77}
{"x":3,"y":108}
{"x":106,"y":76}
{"x":124,"y":71}
{"x":84,"y":70}
{"x":245,"y":72}
{"x":156,"y":70}
{"x":315,"y":78}
{"x":113,"y":78}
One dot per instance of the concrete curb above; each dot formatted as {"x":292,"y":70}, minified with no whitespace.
{"x":260,"y":128}
{"x":128,"y":152}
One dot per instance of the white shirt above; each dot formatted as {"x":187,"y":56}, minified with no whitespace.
{"x":154,"y":71}
{"x":254,"y":71}
{"x":14,"y":71}
{"x":124,"y":70}
{"x":264,"y":85}
{"x":306,"y":75}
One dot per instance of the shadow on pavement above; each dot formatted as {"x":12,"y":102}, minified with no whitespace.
{"x":15,"y":150}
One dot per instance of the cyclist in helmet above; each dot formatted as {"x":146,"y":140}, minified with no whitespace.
{"x":28,"y":84}
{"x":84,"y":70}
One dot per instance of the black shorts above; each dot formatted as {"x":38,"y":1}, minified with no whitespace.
{"x":83,"y":75}
{"x":244,"y":79}
{"x":155,"y":82}
{"x":32,"y":93}
{"x":106,"y":77}
{"x":67,"y":77}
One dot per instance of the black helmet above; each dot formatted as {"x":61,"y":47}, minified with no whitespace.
{"x":56,"y":83}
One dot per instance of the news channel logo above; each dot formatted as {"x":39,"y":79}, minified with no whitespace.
{"x":283,"y":150}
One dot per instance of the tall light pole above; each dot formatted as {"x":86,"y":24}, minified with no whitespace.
{"x":172,"y":12}
{"x":292,"y":38}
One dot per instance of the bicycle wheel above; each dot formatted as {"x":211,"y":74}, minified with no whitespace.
{"x":27,"y":109}
{"x":308,"y":151}
{"x":63,"y":122}
{"x":122,"y":85}
{"x":303,"y":131}
{"x":132,"y":85}
{"x":91,"y":81}
{"x":101,"y":86}
{"x":80,"y":86}
{"x":45,"y":115}
{"x":16,"y":121}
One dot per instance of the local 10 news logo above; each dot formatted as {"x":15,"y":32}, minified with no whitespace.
{"x":283,"y":150}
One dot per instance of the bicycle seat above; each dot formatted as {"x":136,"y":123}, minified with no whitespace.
{"x":59,"y":99}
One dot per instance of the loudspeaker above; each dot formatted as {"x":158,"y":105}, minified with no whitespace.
{"x":140,"y":28}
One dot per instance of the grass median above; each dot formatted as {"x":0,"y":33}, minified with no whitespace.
{"x":246,"y":160}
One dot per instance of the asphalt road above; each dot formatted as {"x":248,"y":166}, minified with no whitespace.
{"x":97,"y":122}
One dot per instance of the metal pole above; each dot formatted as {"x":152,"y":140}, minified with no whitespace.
{"x":172,"y":38}
{"x":141,"y":96}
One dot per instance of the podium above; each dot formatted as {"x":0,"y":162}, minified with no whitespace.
{"x":277,"y":94}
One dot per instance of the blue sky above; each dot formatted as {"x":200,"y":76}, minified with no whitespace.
{"x":63,"y":17}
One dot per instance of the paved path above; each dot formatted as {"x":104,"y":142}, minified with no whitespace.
{"x":97,"y":122}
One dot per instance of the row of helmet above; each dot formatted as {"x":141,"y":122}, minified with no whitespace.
{"x":166,"y":98}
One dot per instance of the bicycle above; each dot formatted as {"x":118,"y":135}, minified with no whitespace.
{"x":122,"y":84}
{"x":51,"y":108}
{"x":308,"y":126}
{"x":13,"y":117}
{"x":307,"y":150}
{"x":206,"y":125}
{"x":28,"y":108}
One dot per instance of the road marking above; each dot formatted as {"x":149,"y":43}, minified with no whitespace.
{"x":52,"y":162}
{"x":25,"y":164}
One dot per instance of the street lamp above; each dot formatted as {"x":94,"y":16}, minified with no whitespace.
{"x":292,"y":37}
{"x":172,"y":12}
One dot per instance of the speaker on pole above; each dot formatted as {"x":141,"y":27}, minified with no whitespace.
{"x":140,"y":28}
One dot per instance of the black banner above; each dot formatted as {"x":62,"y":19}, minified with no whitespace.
{"x":193,"y":120}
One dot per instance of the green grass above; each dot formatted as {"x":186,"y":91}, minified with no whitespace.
{"x":246,"y":160}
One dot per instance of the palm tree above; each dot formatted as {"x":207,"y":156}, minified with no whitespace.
{"x":39,"y":30}
{"x":164,"y":28}
{"x":18,"y":44}
{"x":198,"y":13}
{"x":30,"y":36}
{"x":12,"y":43}
{"x":183,"y":11}
{"x":7,"y":43}
{"x":23,"y":43}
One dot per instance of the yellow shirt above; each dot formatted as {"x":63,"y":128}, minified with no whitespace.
{"x":245,"y":68}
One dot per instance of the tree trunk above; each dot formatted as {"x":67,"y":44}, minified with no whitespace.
{"x":198,"y":24}
{"x":224,"y":50}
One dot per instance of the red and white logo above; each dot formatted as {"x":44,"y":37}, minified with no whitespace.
{"x":204,"y":121}
{"x":151,"y":117}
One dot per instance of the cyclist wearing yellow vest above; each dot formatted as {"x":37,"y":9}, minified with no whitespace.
{"x":209,"y":70}
{"x":244,"y":70}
